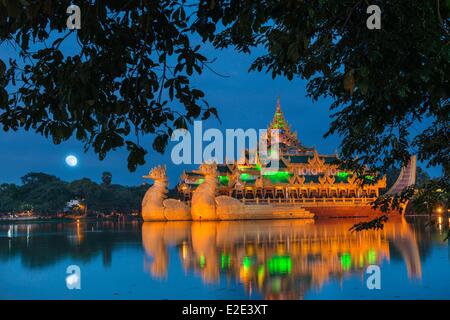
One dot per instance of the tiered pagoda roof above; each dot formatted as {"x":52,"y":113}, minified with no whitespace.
{"x":296,"y":165}
{"x":286,"y":136}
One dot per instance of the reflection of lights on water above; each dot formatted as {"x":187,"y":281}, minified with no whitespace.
{"x":276,"y":285}
{"x":361,"y":260}
{"x":202,"y":261}
{"x":440,"y":223}
{"x":28,"y":235}
{"x":247,"y":262}
{"x":78,"y":229}
{"x":261,"y":273}
{"x":245,"y":270}
{"x":346,"y":261}
{"x":372,"y":256}
{"x":280,"y":265}
{"x":184,"y":250}
{"x":9,"y":237}
{"x":250,"y":250}
{"x":225,"y":261}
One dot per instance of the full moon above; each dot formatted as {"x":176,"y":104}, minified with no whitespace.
{"x":71,"y":161}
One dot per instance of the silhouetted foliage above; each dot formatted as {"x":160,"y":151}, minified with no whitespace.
{"x":375,"y":224}
{"x":106,"y":178}
{"x":127,"y":75}
{"x":47,"y":194}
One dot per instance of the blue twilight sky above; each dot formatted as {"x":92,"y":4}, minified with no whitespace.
{"x":243,"y":99}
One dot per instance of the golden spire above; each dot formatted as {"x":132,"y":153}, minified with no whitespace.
{"x":279,"y":122}
{"x":278,"y":105}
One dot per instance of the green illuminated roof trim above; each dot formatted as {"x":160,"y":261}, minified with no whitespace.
{"x":342,"y":174}
{"x":276,"y":173}
{"x":223,"y":180}
{"x":247,"y":177}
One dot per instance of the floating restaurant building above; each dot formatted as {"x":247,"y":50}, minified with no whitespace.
{"x":303,"y":176}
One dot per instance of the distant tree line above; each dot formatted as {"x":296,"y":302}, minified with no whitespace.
{"x":47,"y":194}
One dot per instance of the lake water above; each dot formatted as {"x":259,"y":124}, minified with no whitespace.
{"x":285,"y":259}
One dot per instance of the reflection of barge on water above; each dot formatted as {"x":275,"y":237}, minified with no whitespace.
{"x":280,"y":259}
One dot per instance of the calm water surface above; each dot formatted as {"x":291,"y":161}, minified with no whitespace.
{"x":285,"y":259}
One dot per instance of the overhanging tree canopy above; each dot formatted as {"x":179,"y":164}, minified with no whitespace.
{"x":128,"y":73}
{"x":383,"y":82}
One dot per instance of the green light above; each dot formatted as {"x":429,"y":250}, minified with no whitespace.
{"x":275,"y":173}
{"x":225,"y":261}
{"x":346,"y":261}
{"x":247,"y":177}
{"x":342,"y":174}
{"x":200,"y":181}
{"x":278,"y":176}
{"x":202,"y":261}
{"x":276,"y":285}
{"x":258,"y":167}
{"x":368,"y":177}
{"x":223,"y":180}
{"x":279,"y":265}
{"x":261,"y":271}
{"x":247,"y":262}
{"x":372,"y":256}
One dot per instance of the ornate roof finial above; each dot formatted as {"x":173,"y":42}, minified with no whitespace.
{"x":279,"y":122}
{"x":278,"y":105}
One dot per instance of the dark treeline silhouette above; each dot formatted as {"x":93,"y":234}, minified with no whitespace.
{"x":47,"y":194}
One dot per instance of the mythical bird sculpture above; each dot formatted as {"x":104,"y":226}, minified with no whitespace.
{"x":155,"y":206}
{"x":205,"y":204}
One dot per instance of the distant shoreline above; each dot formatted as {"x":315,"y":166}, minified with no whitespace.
{"x":64,"y":219}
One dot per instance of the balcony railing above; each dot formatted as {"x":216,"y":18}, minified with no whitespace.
{"x":307,"y":201}
{"x":318,"y":201}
